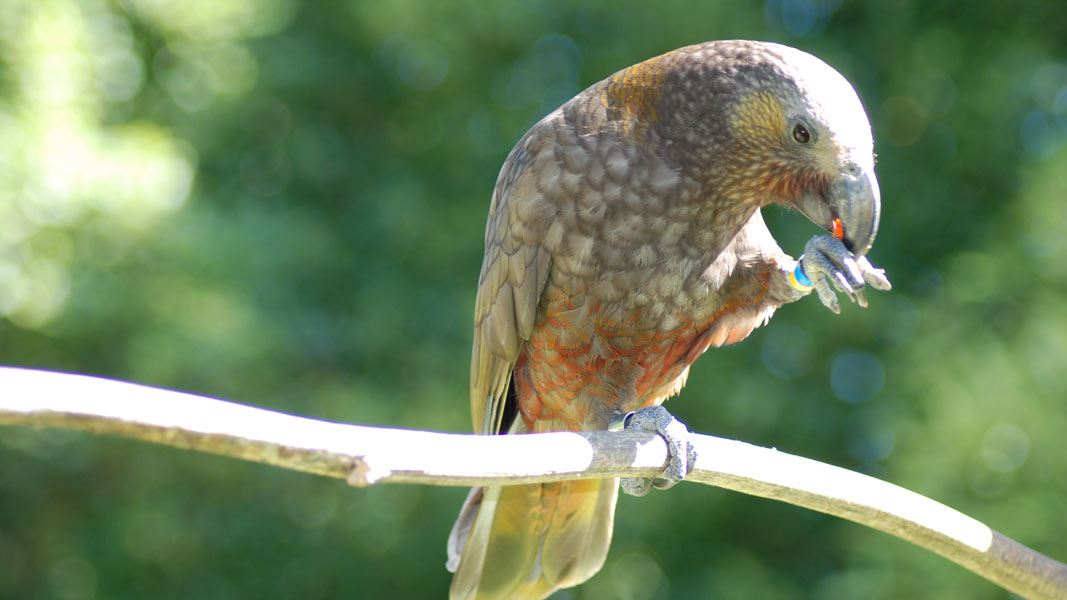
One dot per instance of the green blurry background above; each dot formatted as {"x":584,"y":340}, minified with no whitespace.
{"x":282,"y":204}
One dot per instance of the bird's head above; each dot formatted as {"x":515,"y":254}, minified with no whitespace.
{"x":773,"y":125}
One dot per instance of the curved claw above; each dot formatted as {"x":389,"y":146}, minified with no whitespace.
{"x":830,"y":265}
{"x":674,"y":432}
{"x":874,"y":276}
{"x":635,"y":486}
{"x":826,"y":295}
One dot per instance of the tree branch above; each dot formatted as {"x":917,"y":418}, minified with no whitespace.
{"x":368,"y":455}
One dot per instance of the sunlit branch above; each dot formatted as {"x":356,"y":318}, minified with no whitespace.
{"x":369,"y":455}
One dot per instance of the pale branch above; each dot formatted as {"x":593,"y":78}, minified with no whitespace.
{"x":369,"y":455}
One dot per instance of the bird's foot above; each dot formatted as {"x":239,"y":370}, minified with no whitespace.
{"x":827,"y":262}
{"x":680,"y":451}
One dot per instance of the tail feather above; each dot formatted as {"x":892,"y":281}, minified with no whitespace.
{"x":527,"y":541}
{"x":576,"y":540}
{"x":462,"y":528}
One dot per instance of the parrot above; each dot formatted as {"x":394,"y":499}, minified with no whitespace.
{"x":624,"y":239}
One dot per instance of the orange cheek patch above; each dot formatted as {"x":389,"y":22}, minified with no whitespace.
{"x":839,"y":229}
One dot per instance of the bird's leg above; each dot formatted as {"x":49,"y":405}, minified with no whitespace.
{"x":680,"y":451}
{"x":827,"y":262}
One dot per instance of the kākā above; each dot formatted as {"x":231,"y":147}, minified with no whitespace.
{"x":625,"y":239}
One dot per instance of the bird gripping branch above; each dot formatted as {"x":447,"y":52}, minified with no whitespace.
{"x":624,"y":240}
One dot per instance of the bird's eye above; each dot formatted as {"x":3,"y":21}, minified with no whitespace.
{"x":801,"y":134}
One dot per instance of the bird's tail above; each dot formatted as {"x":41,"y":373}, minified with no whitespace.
{"x":526,"y":541}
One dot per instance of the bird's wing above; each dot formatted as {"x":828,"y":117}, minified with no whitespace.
{"x":513,"y":277}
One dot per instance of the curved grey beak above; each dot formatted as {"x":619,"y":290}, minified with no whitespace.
{"x":855,"y":199}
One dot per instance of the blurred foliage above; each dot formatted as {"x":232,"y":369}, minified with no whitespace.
{"x":282,"y":203}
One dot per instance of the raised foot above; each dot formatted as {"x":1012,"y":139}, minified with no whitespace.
{"x":830,"y":265}
{"x":674,"y":432}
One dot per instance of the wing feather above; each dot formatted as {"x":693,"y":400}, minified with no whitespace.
{"x":513,"y":277}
